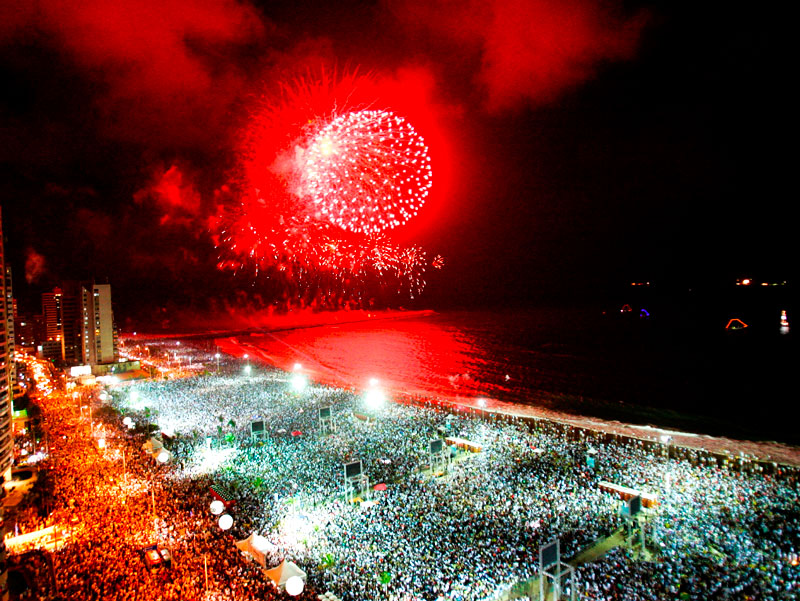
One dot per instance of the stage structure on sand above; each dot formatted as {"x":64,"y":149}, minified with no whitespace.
{"x":257,"y":430}
{"x":555,"y":574}
{"x":637,"y":525}
{"x":356,"y":482}
{"x":439,"y":455}
{"x":326,"y":424}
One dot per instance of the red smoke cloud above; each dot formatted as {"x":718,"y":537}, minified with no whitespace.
{"x":35,"y":266}
{"x":162,"y":67}
{"x":530,"y":50}
{"x":174,"y":197}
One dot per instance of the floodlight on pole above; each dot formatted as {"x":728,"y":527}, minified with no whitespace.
{"x":374,"y":398}
{"x":299,"y":382}
{"x":482,"y":404}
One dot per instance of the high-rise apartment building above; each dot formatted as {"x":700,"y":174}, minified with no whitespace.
{"x":6,"y":365}
{"x":11,"y":314}
{"x":99,"y":333}
{"x":7,"y":379}
{"x":79,"y":324}
{"x":72,"y":324}
{"x":51,"y":310}
{"x":53,"y":332}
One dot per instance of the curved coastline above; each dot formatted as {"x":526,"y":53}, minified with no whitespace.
{"x":741,"y":451}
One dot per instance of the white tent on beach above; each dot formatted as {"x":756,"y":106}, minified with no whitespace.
{"x":281,"y":573}
{"x":256,"y":547}
{"x":154,"y":445}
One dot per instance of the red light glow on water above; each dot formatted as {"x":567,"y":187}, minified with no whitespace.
{"x":421,"y":357}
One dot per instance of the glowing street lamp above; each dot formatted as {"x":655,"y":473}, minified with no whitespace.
{"x":216,"y":356}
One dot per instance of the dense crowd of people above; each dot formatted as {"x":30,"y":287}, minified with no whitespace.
{"x":472,"y":533}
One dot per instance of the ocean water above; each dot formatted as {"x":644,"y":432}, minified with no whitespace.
{"x":683,"y":372}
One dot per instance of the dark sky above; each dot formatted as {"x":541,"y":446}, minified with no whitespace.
{"x":589,"y":144}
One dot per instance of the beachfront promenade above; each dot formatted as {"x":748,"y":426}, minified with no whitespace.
{"x":475,"y":533}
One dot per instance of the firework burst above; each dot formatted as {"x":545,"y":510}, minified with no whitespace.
{"x":323,"y":179}
{"x":367,"y":171}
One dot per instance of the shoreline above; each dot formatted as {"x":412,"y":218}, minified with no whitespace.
{"x":743,"y":451}
{"x":266,"y":322}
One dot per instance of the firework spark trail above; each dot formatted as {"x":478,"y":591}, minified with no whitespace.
{"x":319,"y":193}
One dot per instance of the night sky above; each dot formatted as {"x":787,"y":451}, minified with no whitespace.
{"x":586,"y":144}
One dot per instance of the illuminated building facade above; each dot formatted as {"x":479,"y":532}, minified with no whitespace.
{"x":51,"y":312}
{"x":99,"y":334}
{"x":6,"y":366}
{"x":6,"y":394}
{"x":79,"y":325}
{"x":71,"y":324}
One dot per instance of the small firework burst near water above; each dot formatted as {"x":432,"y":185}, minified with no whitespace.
{"x":367,"y":171}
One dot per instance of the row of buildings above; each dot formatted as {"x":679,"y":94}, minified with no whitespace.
{"x":75,"y":328}
{"x":7,"y":379}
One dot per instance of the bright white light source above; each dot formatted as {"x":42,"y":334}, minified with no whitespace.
{"x":297,"y":367}
{"x":481,"y":402}
{"x":217,"y":507}
{"x":101,"y":443}
{"x":225,"y":521}
{"x":247,"y":369}
{"x":127,"y":421}
{"x":163,"y":456}
{"x":374,"y":398}
{"x":294,"y":586}
{"x":299,"y":383}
